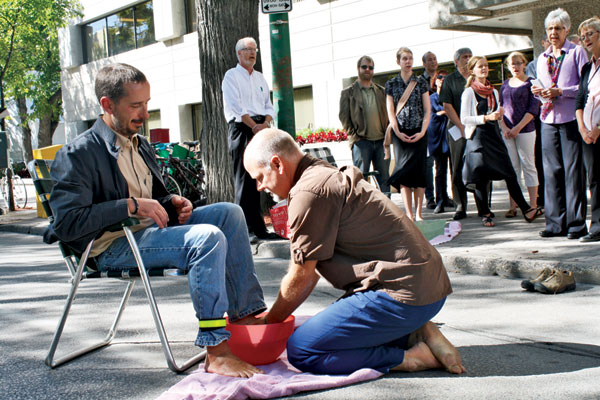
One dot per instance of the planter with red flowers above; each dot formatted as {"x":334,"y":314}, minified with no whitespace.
{"x":336,"y":140}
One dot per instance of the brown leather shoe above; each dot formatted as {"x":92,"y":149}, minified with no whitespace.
{"x":558,"y":282}
{"x":528,"y":284}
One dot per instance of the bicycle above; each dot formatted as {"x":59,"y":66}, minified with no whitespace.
{"x":182,"y":171}
{"x":18,"y":187}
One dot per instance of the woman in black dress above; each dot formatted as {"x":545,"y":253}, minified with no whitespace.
{"x":409,"y":127}
{"x":486,"y":156}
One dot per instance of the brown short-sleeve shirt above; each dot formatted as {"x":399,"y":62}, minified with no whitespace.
{"x":360,"y":238}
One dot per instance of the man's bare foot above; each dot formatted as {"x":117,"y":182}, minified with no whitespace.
{"x":441,"y":347}
{"x":255,"y":319}
{"x":220,"y":360}
{"x":418,"y":358}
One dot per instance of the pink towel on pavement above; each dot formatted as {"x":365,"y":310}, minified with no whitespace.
{"x":279,"y":379}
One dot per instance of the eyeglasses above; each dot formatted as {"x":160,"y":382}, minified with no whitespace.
{"x":440,"y":77}
{"x":369,"y":67}
{"x":587,"y":35}
{"x":250,"y":49}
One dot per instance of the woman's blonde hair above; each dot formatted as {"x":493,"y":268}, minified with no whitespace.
{"x":590,"y":23}
{"x":471,"y":64}
{"x":513,"y":55}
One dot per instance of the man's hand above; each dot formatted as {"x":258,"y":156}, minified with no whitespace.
{"x":259,"y":127}
{"x":150,"y":208}
{"x":184,"y":208}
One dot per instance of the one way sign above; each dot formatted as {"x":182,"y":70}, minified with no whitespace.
{"x":276,"y":6}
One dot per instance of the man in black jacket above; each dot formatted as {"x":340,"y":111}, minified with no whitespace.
{"x":109,"y":173}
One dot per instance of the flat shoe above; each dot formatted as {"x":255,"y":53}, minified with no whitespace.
{"x":488,"y":222}
{"x":511,"y":213}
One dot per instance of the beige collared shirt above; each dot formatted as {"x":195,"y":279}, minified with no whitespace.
{"x":139,"y":181}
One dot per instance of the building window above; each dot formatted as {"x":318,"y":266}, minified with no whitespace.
{"x":304,"y":108}
{"x":152,"y":122}
{"x":191,"y":20}
{"x":122,"y":31}
{"x":196,"y":120}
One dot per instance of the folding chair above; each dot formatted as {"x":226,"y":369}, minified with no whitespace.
{"x":81,"y":267}
{"x":324,"y":153}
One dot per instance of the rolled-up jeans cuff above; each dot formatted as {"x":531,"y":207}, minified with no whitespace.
{"x":212,"y":338}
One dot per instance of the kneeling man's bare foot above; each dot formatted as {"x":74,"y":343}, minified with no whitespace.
{"x":418,"y":358}
{"x":441,"y":347}
{"x":220,"y":360}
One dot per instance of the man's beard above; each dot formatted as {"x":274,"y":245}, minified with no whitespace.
{"x":123,"y":127}
{"x":276,"y":198}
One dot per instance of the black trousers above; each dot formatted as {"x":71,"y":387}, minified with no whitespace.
{"x":591,"y":159}
{"x":441,"y":175}
{"x":565,"y":199}
{"x":246,"y":195}
{"x":459,"y":191}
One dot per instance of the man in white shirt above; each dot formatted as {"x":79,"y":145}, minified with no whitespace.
{"x":248,"y":110}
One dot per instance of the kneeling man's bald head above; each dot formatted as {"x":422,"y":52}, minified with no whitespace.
{"x":271,"y":159}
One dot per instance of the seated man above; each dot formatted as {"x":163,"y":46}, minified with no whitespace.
{"x":362,"y":243}
{"x":109,"y":173}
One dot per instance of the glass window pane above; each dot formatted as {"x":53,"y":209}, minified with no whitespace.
{"x":95,"y":40}
{"x":120,"y":32}
{"x":144,"y":28}
{"x":190,"y":16}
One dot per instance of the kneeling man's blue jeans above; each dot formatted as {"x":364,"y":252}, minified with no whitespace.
{"x":214,"y":248}
{"x":365,"y":330}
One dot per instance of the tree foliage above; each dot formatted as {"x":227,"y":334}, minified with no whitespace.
{"x":29,"y":59}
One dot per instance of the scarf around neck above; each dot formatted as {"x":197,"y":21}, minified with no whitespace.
{"x":485,"y":90}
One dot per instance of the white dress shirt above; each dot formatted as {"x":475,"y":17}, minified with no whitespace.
{"x":245,"y":93}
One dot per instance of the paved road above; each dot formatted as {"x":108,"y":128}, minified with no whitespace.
{"x":515,"y":344}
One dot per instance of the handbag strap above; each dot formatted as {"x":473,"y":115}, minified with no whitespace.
{"x":401,"y":103}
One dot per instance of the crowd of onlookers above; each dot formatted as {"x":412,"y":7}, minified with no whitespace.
{"x":542,"y":124}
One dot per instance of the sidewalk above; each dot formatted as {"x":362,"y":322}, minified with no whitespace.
{"x":511,"y":249}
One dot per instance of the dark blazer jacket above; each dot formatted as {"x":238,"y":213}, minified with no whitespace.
{"x":352,"y":112}
{"x":90,"y":193}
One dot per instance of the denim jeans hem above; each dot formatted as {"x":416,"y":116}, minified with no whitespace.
{"x":212,"y":338}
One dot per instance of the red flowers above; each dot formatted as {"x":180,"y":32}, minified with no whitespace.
{"x":321,"y":136}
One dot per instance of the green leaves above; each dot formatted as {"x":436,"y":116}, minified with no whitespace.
{"x":29,"y":60}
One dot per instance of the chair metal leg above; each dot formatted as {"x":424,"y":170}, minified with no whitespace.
{"x":155,"y":313}
{"x":75,"y":280}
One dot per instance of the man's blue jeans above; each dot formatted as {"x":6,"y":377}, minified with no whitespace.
{"x":214,"y":247}
{"x":365,"y":330}
{"x":365,"y":152}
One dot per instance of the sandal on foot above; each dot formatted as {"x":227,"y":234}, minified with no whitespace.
{"x":538,"y":212}
{"x":487,"y":221}
{"x":511,"y":213}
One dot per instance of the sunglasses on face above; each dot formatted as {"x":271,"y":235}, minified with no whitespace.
{"x":441,"y":77}
{"x":369,"y":67}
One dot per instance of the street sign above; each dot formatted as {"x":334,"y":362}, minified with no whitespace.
{"x":276,"y":6}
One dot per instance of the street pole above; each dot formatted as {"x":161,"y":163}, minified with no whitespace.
{"x":281,"y":59}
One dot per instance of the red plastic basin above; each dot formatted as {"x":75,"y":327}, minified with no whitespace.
{"x":260,"y":344}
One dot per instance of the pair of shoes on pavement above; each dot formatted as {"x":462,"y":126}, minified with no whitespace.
{"x":550,"y":281}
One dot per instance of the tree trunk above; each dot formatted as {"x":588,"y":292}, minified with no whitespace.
{"x":27,"y":148}
{"x":49,"y":121}
{"x":221,"y":23}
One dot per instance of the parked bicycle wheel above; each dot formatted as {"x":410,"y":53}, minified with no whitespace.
{"x":19,"y":191}
{"x":172,"y":185}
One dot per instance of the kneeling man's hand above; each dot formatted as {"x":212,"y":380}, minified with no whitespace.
{"x":184,"y":208}
{"x":152,"y":209}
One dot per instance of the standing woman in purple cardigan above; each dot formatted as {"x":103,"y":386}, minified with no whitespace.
{"x":559,"y":71}
{"x":518,"y":126}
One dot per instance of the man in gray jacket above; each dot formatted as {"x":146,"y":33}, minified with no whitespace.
{"x":364,"y":117}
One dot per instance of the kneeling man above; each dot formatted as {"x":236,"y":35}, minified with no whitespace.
{"x":362,"y":243}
